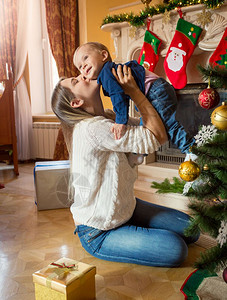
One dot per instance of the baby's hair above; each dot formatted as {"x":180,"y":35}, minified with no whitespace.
{"x":61,"y":105}
{"x":96,"y":46}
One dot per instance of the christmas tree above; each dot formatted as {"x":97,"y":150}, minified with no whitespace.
{"x":208,"y":192}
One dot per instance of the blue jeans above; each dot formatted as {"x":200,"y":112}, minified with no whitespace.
{"x":154,"y":236}
{"x":163,"y":98}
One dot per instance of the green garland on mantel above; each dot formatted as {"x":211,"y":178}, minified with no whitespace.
{"x":139,"y":20}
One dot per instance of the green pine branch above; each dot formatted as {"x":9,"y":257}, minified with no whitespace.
{"x":220,"y":137}
{"x":220,"y":173}
{"x":216,"y":211}
{"x":193,"y":228}
{"x":203,"y":219}
{"x":140,"y":19}
{"x":214,"y":150}
{"x":223,"y":192}
{"x":167,"y":187}
{"x":213,"y":259}
{"x":216,"y":75}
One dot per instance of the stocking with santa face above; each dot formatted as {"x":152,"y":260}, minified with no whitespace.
{"x":179,"y":52}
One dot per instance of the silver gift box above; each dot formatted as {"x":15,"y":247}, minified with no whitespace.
{"x":51,"y":180}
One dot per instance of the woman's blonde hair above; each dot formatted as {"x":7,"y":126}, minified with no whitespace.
{"x":61,"y":105}
{"x":96,"y":46}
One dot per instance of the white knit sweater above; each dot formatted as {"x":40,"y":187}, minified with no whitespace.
{"x":102,"y":177}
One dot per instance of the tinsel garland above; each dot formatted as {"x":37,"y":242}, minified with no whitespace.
{"x":140,"y":19}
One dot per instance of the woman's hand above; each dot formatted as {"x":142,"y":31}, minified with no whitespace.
{"x":125,"y":79}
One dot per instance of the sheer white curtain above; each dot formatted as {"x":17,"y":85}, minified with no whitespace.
{"x":23,"y":115}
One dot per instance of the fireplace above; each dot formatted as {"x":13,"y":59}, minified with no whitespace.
{"x":189,"y":113}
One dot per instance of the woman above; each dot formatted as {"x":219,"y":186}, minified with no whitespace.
{"x":110,"y":222}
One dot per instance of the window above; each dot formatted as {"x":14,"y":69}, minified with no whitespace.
{"x":43,"y":73}
{"x":50,"y":68}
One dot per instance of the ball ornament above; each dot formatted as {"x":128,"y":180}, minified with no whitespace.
{"x":209,"y":98}
{"x":189,"y":170}
{"x":219,"y":117}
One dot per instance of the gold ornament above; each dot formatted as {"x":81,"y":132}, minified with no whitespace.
{"x":206,"y":167}
{"x":166,"y":17}
{"x":219,"y":117}
{"x":204,"y":18}
{"x":146,"y":2}
{"x":189,"y":170}
{"x":132,"y":32}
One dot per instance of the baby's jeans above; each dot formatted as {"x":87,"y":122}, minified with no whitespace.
{"x":154,"y":236}
{"x":163,"y":97}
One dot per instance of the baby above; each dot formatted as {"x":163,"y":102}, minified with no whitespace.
{"x":93,"y":60}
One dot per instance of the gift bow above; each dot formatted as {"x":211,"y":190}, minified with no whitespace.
{"x":60,"y":272}
{"x":63,"y":265}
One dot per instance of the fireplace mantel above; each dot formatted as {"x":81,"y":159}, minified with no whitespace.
{"x":128,"y":40}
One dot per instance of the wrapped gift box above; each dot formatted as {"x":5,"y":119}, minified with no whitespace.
{"x":51,"y":184}
{"x":65,"y":279}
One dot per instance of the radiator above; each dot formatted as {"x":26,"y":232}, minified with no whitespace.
{"x":45,"y":136}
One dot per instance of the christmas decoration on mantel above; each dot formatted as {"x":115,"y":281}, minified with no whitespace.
{"x":146,"y":2}
{"x":166,"y":17}
{"x":180,"y":50}
{"x":149,"y":54}
{"x":150,"y":11}
{"x":204,"y":18}
{"x":219,"y":57}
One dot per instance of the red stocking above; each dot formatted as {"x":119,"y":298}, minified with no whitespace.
{"x":179,"y":52}
{"x":219,"y":57}
{"x":150,"y":50}
{"x":149,"y":54}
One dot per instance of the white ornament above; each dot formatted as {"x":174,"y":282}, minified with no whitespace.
{"x":187,"y":186}
{"x":205,"y":134}
{"x":222,"y":237}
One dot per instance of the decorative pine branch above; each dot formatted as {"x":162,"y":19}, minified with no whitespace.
{"x":167,"y":187}
{"x":216,"y":75}
{"x":213,"y":257}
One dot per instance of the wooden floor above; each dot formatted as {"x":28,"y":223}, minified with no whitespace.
{"x":31,"y":239}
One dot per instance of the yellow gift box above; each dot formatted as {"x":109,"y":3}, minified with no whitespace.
{"x":65,"y":279}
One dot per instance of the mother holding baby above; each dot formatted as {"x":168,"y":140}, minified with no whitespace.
{"x":111,"y":223}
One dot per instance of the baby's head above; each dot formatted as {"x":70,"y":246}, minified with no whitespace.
{"x":89,"y":59}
